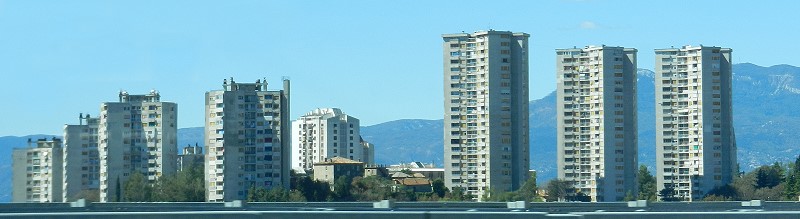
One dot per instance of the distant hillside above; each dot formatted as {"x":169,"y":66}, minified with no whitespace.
{"x":406,"y":140}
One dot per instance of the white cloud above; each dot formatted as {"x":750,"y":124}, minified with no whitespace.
{"x":588,"y":25}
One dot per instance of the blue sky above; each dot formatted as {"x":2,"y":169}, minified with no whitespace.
{"x":377,"y":60}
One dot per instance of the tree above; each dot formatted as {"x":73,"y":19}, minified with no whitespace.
{"x":458,"y":194}
{"x":629,"y":196}
{"x":256,"y":194}
{"x":557,"y":190}
{"x":118,"y":195}
{"x":341,"y":189}
{"x":312,"y":190}
{"x":647,"y":184}
{"x":438,"y":188}
{"x":792,"y":187}
{"x":187,"y":185}
{"x":769,"y":176}
{"x":137,"y":189}
{"x":91,"y":195}
{"x":374,"y":188}
{"x":529,"y":191}
{"x":667,"y":194}
{"x":722,"y":193}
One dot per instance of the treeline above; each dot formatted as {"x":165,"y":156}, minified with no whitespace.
{"x":344,"y":189}
{"x":777,"y":182}
{"x":185,"y":186}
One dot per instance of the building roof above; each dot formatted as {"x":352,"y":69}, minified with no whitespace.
{"x":338,"y":160}
{"x":414,"y":181}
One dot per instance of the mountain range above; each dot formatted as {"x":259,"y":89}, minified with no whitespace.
{"x":766,"y":124}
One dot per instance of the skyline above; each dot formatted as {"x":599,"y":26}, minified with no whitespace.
{"x":77,"y":55}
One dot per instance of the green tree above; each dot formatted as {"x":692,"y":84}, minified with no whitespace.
{"x":668,"y":194}
{"x":137,"y":188}
{"x":769,"y":176}
{"x":722,"y":193}
{"x":341,"y":189}
{"x":629,"y":196}
{"x":438,"y":188}
{"x":256,"y":194}
{"x":373,"y":188}
{"x":647,"y":184}
{"x":792,"y":187}
{"x":312,"y":190}
{"x":529,"y":191}
{"x":557,"y":190}
{"x":458,"y":194}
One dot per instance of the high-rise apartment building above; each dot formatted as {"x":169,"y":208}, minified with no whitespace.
{"x":248,"y":141}
{"x":596,"y":115}
{"x":37,"y":172}
{"x":325,"y":133}
{"x":486,"y":111}
{"x":695,"y":144}
{"x":136,"y":134}
{"x":81,"y":160}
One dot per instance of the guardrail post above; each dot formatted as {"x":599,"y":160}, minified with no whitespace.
{"x":235,"y":204}
{"x":637,"y":204}
{"x":80,"y":203}
{"x":752,"y":203}
{"x":383,"y":204}
{"x":517,"y":205}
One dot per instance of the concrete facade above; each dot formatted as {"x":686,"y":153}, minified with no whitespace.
{"x":247,"y":136}
{"x":325,"y":133}
{"x":136,"y":134}
{"x":597,"y":124}
{"x":191,"y":157}
{"x":335,"y":167}
{"x":695,"y":140}
{"x":486,"y":111}
{"x":37,"y":172}
{"x":82,"y":160}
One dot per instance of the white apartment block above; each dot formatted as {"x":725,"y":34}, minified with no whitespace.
{"x":81,"y":160}
{"x":326,"y":133}
{"x":695,"y":144}
{"x":136,"y":134}
{"x":597,"y":126}
{"x":247,"y":139}
{"x":486,"y":111}
{"x":37,"y":172}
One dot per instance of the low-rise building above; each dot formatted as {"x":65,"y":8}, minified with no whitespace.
{"x":191,"y":157}
{"x":336,"y":167}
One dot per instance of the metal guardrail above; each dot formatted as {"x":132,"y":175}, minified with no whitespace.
{"x":391,"y":209}
{"x":402,"y":215}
